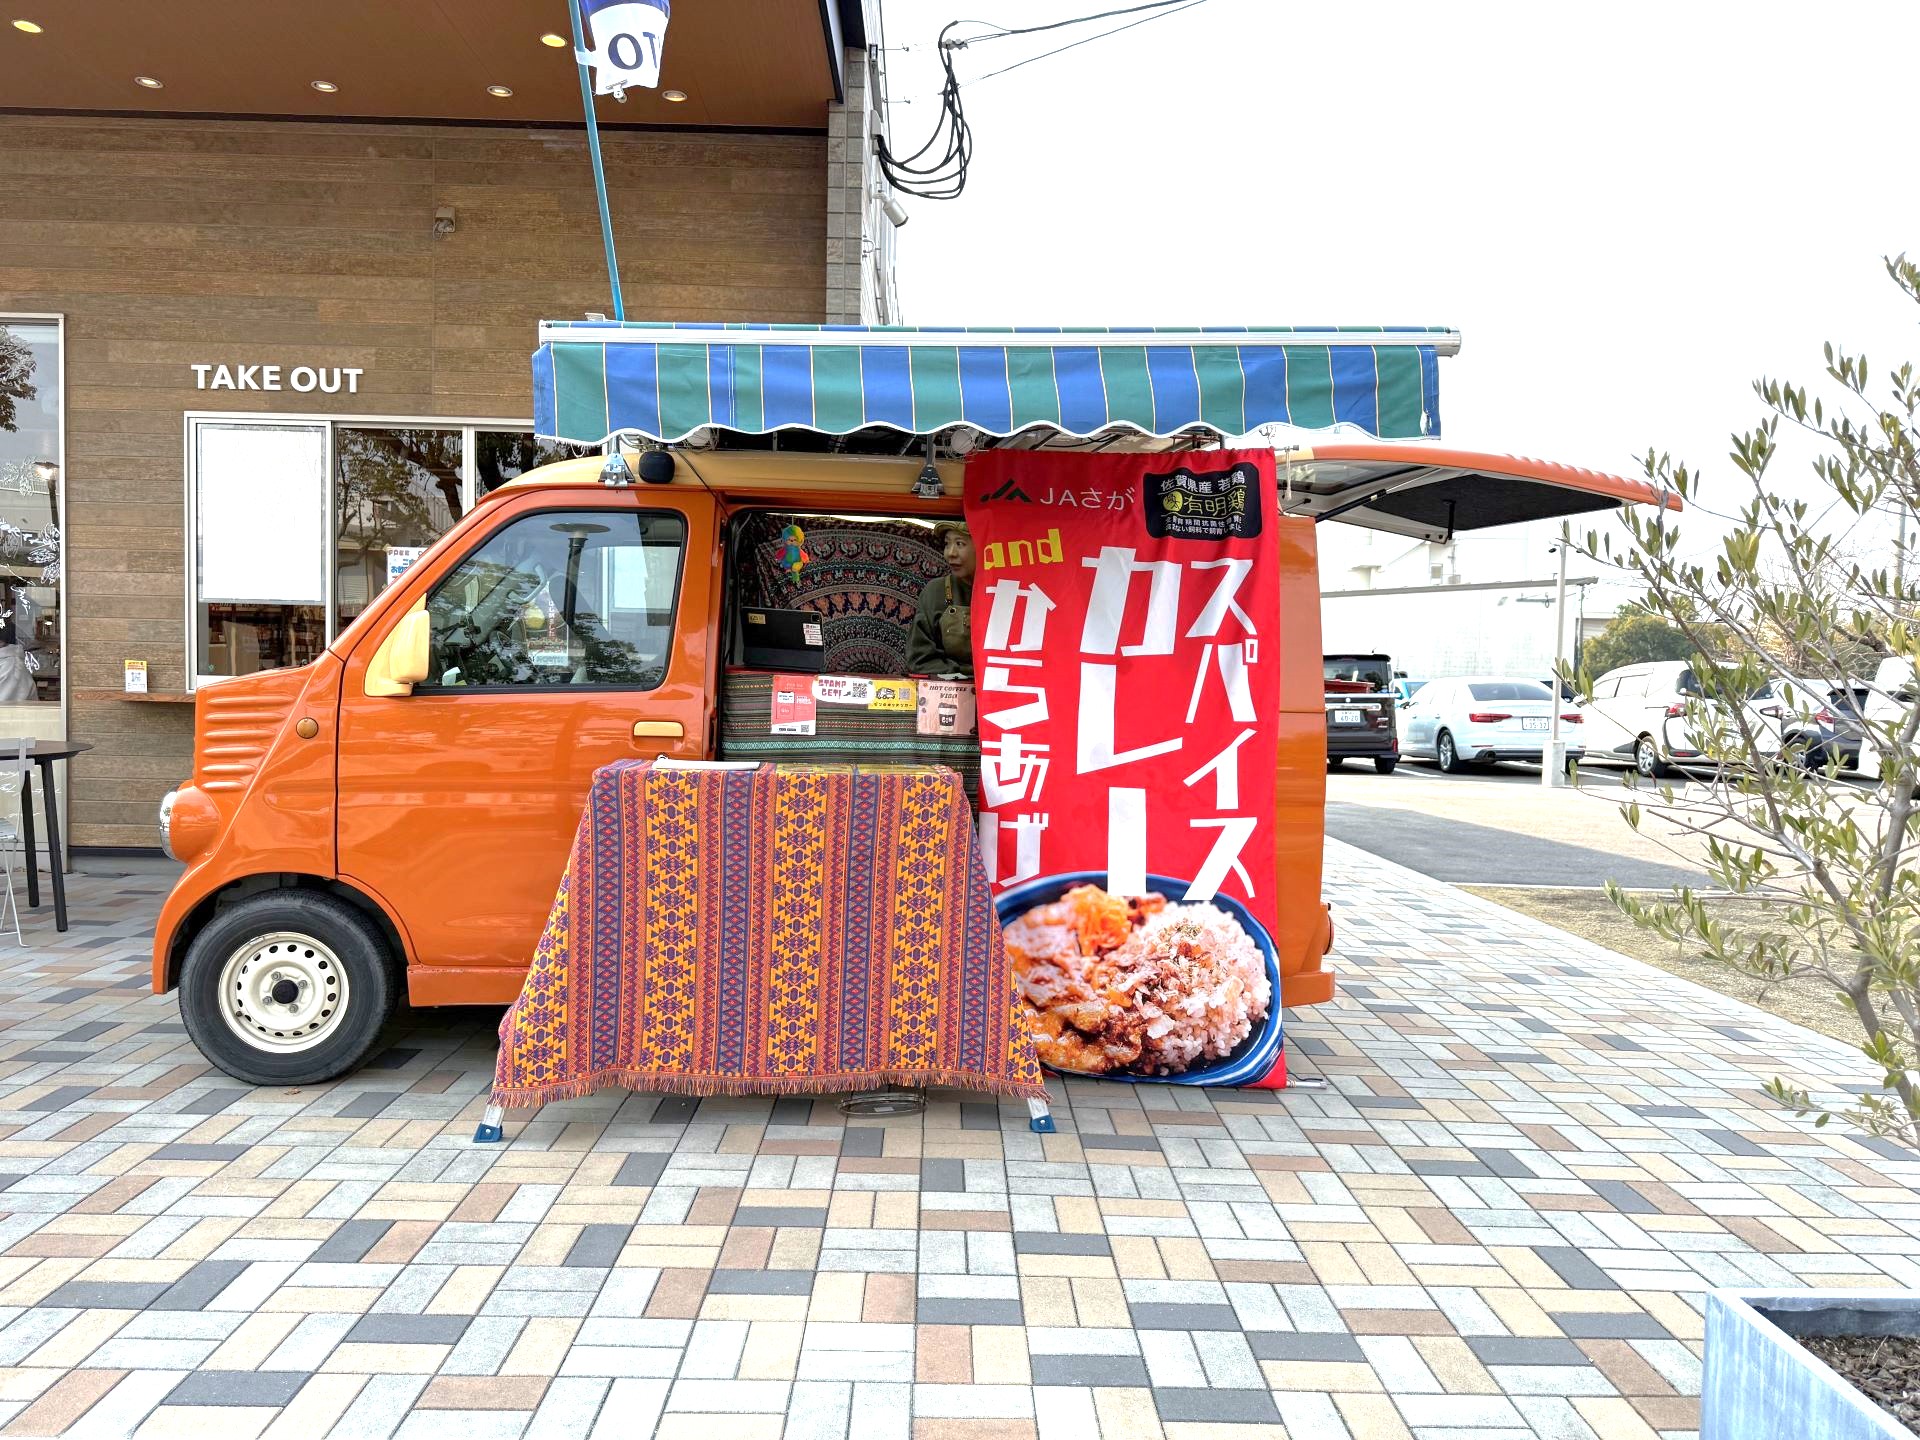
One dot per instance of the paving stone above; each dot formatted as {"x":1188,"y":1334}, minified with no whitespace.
{"x":238,"y":1387}
{"x":104,"y":1295}
{"x":1183,"y":1317}
{"x":641,"y":1169}
{"x":408,"y":1330}
{"x":1283,"y":1345}
{"x":199,"y":1152}
{"x":201,"y":1285}
{"x":1515,"y":1350}
{"x":1093,"y":1370}
{"x":1575,"y":1268}
{"x":760,"y":1282}
{"x":1226,"y":1407}
{"x":60,"y":1099}
{"x":939,"y":1310}
{"x":1605,"y":1325}
{"x":1031,"y":1242}
{"x":803,"y":1217}
{"x":599,"y":1245}
{"x":350,"y":1242}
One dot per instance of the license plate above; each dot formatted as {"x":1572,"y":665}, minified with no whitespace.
{"x":1348,"y":717}
{"x":1533,"y":722}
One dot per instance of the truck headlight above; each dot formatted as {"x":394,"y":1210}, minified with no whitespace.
{"x":166,"y":824}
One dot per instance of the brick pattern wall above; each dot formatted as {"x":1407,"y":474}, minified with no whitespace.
{"x":167,"y":243}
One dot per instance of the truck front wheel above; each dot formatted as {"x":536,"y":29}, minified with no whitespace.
{"x":287,"y":988}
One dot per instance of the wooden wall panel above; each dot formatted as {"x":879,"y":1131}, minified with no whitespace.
{"x":166,"y":243}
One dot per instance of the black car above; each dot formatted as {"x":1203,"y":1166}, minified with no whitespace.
{"x":1360,"y":711}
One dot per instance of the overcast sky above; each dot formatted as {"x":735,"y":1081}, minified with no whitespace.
{"x":1628,"y":211}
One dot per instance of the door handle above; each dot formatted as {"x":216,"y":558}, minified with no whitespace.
{"x":658,"y":730}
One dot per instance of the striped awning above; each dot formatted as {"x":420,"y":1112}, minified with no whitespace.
{"x":593,"y":379}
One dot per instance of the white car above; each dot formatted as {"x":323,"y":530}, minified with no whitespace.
{"x":1896,"y":689}
{"x":1480,"y":719}
{"x":1638,"y":714}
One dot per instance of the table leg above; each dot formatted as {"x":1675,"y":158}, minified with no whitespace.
{"x":26,"y":837}
{"x":1039,"y":1117}
{"x":489,"y":1131}
{"x":56,"y":862}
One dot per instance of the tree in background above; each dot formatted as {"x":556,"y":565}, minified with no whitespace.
{"x":16,"y":378}
{"x":1634,"y":637}
{"x":1784,"y":596}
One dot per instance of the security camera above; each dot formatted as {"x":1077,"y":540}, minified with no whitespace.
{"x":895,"y":211}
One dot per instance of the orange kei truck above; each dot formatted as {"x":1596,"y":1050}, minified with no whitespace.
{"x":391,"y":821}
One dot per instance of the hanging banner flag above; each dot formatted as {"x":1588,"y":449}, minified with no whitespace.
{"x":1126,"y":661}
{"x":627,"y":38}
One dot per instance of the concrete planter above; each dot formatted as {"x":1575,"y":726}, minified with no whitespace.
{"x":1759,"y":1384}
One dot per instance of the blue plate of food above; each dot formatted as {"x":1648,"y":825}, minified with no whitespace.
{"x":1149,"y":989}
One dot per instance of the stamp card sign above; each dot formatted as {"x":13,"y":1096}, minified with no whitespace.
{"x":1125,"y":611}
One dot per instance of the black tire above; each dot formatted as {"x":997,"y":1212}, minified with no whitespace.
{"x":1385,"y":763}
{"x":311,"y":935}
{"x":1334,"y":763}
{"x":1451,"y":760}
{"x":1646,"y":759}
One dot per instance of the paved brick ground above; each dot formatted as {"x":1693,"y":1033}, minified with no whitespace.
{"x":1497,"y":1223}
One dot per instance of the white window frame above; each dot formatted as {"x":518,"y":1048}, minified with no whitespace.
{"x":58,"y":320}
{"x":330,"y":421}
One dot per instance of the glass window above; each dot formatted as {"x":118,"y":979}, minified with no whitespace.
{"x":30,"y":458}
{"x":1510,"y":690}
{"x":561,"y":598}
{"x":1367,"y":671}
{"x":1631,"y":685}
{"x":1606,"y":687}
{"x":395,"y":492}
{"x":503,"y":455}
{"x":260,"y":545}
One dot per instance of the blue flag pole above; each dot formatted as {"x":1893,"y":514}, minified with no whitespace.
{"x":599,"y":170}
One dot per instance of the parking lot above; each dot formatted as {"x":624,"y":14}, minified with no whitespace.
{"x":1500,"y":826}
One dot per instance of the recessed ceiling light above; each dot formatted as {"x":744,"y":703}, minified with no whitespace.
{"x":499,"y":92}
{"x":148,"y":81}
{"x":325,"y":87}
{"x":676,"y":96}
{"x":26,"y":25}
{"x":558,"y":42}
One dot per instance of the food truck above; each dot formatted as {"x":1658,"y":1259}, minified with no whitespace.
{"x":390,"y":821}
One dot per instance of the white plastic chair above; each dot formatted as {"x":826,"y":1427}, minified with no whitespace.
{"x":13,"y":783}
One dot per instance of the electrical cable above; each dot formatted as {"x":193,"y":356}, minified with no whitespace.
{"x":938,"y":169}
{"x":1075,"y":45}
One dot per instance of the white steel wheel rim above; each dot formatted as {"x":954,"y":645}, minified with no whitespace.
{"x":1447,"y":752}
{"x":283,"y":992}
{"x":1646,"y":757}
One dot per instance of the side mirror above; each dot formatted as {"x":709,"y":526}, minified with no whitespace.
{"x":401,"y":661}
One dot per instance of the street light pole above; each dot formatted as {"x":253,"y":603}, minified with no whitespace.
{"x":1553,"y":766}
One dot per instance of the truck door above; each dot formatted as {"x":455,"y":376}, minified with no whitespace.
{"x":571,"y":632}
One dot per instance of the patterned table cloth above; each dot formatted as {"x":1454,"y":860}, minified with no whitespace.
{"x":779,"y":930}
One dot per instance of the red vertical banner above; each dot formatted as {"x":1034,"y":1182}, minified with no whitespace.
{"x":1126,"y":660}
